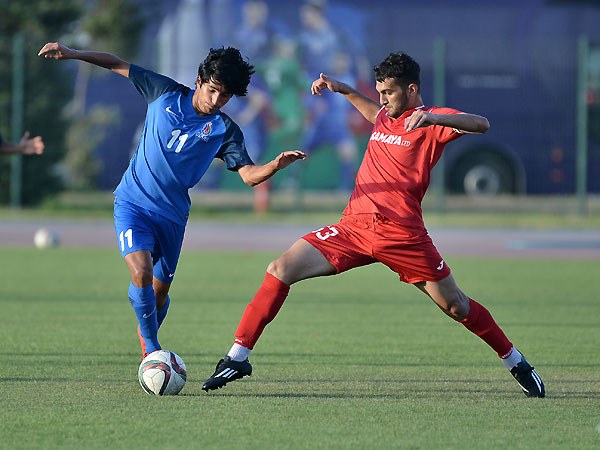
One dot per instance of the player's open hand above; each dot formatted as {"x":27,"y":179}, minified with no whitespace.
{"x":31,"y":146}
{"x":56,"y":50}
{"x":284,"y":159}
{"x":419,"y":119}
{"x":325,"y":82}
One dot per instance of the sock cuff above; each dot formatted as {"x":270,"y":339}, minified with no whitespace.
{"x":274,"y":283}
{"x":138,"y":293}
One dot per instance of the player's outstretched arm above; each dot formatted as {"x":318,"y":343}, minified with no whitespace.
{"x":56,"y":50}
{"x":26,"y":146}
{"x":253,"y":175}
{"x":365,"y":105}
{"x":468,"y":123}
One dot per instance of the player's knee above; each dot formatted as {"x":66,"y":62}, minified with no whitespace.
{"x":277,"y":269}
{"x":141,"y":276}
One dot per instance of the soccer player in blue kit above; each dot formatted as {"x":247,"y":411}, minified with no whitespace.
{"x":184,"y":131}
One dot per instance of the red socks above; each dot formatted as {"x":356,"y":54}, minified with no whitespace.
{"x":481,"y":322}
{"x":272,"y":293}
{"x":261,"y":310}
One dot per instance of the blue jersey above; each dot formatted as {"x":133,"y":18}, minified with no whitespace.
{"x":176,"y":147}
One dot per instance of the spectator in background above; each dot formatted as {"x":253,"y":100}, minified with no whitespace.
{"x":327,"y":119}
{"x":251,"y":113}
{"x":317,"y":39}
{"x":285,"y":82}
{"x":328,"y":123}
{"x":253,"y":36}
{"x":26,"y":146}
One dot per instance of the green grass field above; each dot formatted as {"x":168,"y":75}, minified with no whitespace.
{"x":358,"y":361}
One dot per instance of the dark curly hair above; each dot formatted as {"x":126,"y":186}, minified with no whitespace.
{"x":227,"y":67}
{"x":400,"y":67}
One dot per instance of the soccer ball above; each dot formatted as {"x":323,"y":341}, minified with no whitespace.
{"x":162,"y":373}
{"x":45,"y":238}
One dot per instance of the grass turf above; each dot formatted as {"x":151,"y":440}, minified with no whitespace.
{"x":352,"y":362}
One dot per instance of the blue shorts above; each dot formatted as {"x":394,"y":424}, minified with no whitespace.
{"x":139,"y":229}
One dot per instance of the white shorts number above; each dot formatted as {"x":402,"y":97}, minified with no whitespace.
{"x":330,"y":231}
{"x":126,"y":235}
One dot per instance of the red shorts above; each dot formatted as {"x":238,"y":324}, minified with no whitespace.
{"x":361,"y":239}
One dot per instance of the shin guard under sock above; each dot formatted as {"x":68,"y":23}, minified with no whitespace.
{"x":481,"y":323}
{"x":143,"y":302}
{"x":261,"y":310}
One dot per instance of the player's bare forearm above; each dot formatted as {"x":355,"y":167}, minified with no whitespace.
{"x":9,"y":148}
{"x":365,"y":105}
{"x":468,"y":123}
{"x":253,"y":175}
{"x":56,"y":50}
{"x":26,"y":146}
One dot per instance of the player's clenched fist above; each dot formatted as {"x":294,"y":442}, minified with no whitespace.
{"x":56,"y":50}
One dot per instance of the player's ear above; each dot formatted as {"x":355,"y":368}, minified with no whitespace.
{"x":198,"y":81}
{"x":412,"y":89}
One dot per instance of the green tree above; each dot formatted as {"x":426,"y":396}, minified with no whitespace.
{"x":113,"y":26}
{"x":45,"y":94}
{"x":55,"y":94}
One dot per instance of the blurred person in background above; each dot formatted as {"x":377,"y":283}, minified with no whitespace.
{"x":383,"y":221}
{"x":327,"y":120}
{"x":26,"y":146}
{"x":283,"y":78}
{"x":254,"y":35}
{"x":183,"y":132}
{"x":252,"y":112}
{"x":328,"y":123}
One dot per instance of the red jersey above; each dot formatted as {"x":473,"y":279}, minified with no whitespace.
{"x":394,"y":174}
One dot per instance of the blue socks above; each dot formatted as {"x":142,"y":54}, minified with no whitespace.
{"x":143,"y":302}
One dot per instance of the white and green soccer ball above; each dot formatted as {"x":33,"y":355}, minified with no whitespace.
{"x":162,"y":372}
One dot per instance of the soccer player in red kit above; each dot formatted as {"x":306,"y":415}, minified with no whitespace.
{"x":383,"y":221}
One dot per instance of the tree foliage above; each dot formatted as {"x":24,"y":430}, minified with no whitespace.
{"x":112,"y":26}
{"x":108,"y":25}
{"x":46,"y":90}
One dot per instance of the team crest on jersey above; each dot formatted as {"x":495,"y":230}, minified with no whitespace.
{"x":205,"y":132}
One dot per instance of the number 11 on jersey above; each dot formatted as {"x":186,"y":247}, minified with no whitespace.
{"x":176,"y":134}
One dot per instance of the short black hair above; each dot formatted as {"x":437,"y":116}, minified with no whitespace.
{"x":400,"y":67}
{"x":227,"y":67}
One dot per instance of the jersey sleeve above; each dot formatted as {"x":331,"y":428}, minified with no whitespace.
{"x":151,"y":84}
{"x":233,"y":149}
{"x":446,"y":134}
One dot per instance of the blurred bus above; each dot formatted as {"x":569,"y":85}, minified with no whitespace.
{"x":514,"y":61}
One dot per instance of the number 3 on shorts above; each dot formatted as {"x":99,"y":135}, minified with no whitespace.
{"x":125,"y":235}
{"x":331,"y":231}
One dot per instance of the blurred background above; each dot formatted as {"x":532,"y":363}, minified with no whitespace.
{"x":532,"y":67}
